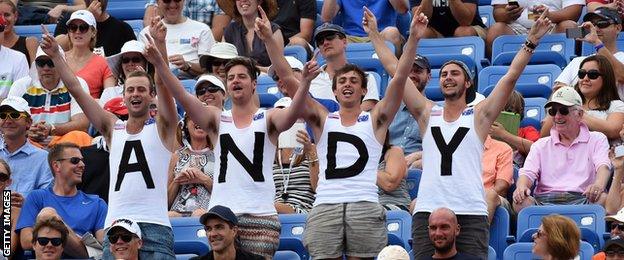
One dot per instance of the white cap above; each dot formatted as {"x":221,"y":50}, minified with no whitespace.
{"x":84,"y":16}
{"x":220,"y":50}
{"x":41,"y":53}
{"x":292,"y":61}
{"x":283,"y":102}
{"x":566,"y":96}
{"x":617,"y":217}
{"x":393,"y":253}
{"x":127,"y":224}
{"x":16,"y":103}
{"x":212,"y":79}
{"x":129,"y":46}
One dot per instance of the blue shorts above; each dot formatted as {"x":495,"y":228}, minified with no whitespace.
{"x":157,"y":243}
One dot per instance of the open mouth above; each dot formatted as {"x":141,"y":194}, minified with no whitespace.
{"x":347,"y":92}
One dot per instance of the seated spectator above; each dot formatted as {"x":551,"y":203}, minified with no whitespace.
{"x":16,"y":201}
{"x":558,"y":237}
{"x":604,"y":111}
{"x":615,"y":198}
{"x":23,"y":44}
{"x":125,"y":238}
{"x":36,"y":12}
{"x":451,"y":18}
{"x":295,"y":170}
{"x":617,"y":230}
{"x":613,"y":249}
{"x":237,"y":32}
{"x":497,"y":174}
{"x":571,"y":164}
{"x":81,"y":213}
{"x":391,"y":174}
{"x":297,"y":26}
{"x":604,"y":25}
{"x":130,"y":59}
{"x":111,"y":33}
{"x":81,"y":57}
{"x":521,"y":143}
{"x":203,"y":11}
{"x":49,"y":237}
{"x":618,"y":5}
{"x":185,"y":39}
{"x":214,"y":61}
{"x":351,"y":13}
{"x":55,"y":114}
{"x":28,"y":162}
{"x":221,"y":227}
{"x":443,"y":232}
{"x":331,"y":41}
{"x":14,"y":64}
{"x":518,"y":19}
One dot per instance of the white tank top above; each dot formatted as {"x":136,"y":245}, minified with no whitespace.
{"x":138,"y":175}
{"x":243,"y":176}
{"x":348,"y":160}
{"x":452,"y":177}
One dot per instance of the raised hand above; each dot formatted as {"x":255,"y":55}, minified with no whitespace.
{"x":513,"y":11}
{"x":158,"y":30}
{"x":263,"y":25}
{"x":592,"y":36}
{"x":151,"y":53}
{"x":418,"y":27}
{"x":95,"y":8}
{"x":49,"y":44}
{"x":369,"y":22}
{"x":541,"y":26}
{"x":310,"y":70}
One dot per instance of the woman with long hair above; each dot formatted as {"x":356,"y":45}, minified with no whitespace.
{"x":26,"y":45}
{"x":558,"y":238}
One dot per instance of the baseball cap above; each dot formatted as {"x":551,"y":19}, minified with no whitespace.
{"x":220,"y":50}
{"x":128,"y":47}
{"x":566,"y":96}
{"x":604,"y":13}
{"x":617,"y":217}
{"x":614,"y":242}
{"x":422,"y":62}
{"x":116,"y":106}
{"x":16,"y":103}
{"x":221,"y":212}
{"x":212,"y":79}
{"x":40,"y":53}
{"x":127,"y":224}
{"x":393,"y":253}
{"x":292,"y":61}
{"x":328,"y":27}
{"x":460,"y":64}
{"x":283,"y":102}
{"x":84,"y":16}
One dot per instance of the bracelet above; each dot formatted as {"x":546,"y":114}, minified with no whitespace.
{"x":529,"y":44}
{"x":599,"y":46}
{"x":527,"y":49}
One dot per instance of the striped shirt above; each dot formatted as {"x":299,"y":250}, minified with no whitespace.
{"x":300,"y":193}
{"x":198,"y":10}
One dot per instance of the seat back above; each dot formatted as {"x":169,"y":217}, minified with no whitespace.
{"x":499,"y":230}
{"x":472,"y":46}
{"x":413,"y":180}
{"x":33,"y":30}
{"x":297,"y":52}
{"x":399,"y":227}
{"x":487,"y":15}
{"x":534,"y":112}
{"x":543,"y":74}
{"x":291,"y":237}
{"x":189,"y":236}
{"x":126,"y":9}
{"x":523,"y":251}
{"x":556,"y":42}
{"x":286,"y":255}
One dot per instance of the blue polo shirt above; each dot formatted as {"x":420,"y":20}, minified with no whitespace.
{"x":352,"y":12}
{"x":29,"y":168}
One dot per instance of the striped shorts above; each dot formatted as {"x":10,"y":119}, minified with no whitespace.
{"x":259,"y":234}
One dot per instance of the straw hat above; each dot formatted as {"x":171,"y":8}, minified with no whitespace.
{"x":229,"y":8}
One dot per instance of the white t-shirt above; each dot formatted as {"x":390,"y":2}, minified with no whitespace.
{"x":321,"y":87}
{"x":569,"y":75}
{"x":14,"y":66}
{"x":188,"y":39}
{"x":553,"y":5}
{"x":616,"y":106}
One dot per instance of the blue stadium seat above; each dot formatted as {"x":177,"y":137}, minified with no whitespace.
{"x":291,"y":237}
{"x":267,"y":100}
{"x":526,"y":89}
{"x":371,"y":64}
{"x":539,"y":57}
{"x":381,"y":89}
{"x":522,"y":251}
{"x":544,"y":74}
{"x":472,"y":46}
{"x":499,"y":231}
{"x":189,"y":236}
{"x":403,"y":23}
{"x":413,"y":180}
{"x":485,"y":2}
{"x":587,"y":235}
{"x":137,"y":26}
{"x":491,"y":253}
{"x":534,"y":112}
{"x":590,"y":216}
{"x":189,"y":85}
{"x":33,"y":30}
{"x":432,"y":90}
{"x":487,"y":15}
{"x":556,"y":43}
{"x":126,"y":9}
{"x":399,"y":227}
{"x":319,"y":6}
{"x":286,"y":255}
{"x":297,"y":52}
{"x":358,"y":50}
{"x":267,"y":85}
{"x":185,"y":256}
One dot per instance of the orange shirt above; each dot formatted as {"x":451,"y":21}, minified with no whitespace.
{"x":497,"y":162}
{"x":94,"y":73}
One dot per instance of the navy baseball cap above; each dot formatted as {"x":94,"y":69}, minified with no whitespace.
{"x":422,"y":62}
{"x":328,"y":27}
{"x":604,"y":13}
{"x":221,"y":212}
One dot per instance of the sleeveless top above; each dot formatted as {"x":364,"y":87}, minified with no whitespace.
{"x":193,"y":196}
{"x":20,"y":46}
{"x":452,"y":174}
{"x":138,"y":175}
{"x":243,"y":167}
{"x":348,"y":159}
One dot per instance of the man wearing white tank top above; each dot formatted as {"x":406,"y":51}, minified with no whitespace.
{"x":453,"y":138}
{"x":140,"y":148}
{"x":346,"y":218}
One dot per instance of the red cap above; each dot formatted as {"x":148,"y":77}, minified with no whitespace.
{"x":116,"y":106}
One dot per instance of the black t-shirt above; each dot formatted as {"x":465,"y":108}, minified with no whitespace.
{"x":240,"y":255}
{"x":111,"y":34}
{"x":458,"y":256}
{"x":442,"y":19}
{"x":290,"y":13}
{"x":96,"y":176}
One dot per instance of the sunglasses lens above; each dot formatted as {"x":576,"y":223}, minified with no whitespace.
{"x":4,"y":177}
{"x":75,"y":160}
{"x":200,"y":91}
{"x":43,"y":62}
{"x":14,"y":115}
{"x":56,"y":241}
{"x":602,"y":24}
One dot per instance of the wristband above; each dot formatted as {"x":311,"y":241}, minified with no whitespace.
{"x":599,"y":46}
{"x":529,"y":44}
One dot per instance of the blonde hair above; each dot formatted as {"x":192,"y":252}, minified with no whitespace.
{"x":564,"y":237}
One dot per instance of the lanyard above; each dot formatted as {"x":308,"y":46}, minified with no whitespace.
{"x":286,"y":176}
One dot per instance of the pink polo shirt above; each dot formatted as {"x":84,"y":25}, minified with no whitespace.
{"x":560,"y":168}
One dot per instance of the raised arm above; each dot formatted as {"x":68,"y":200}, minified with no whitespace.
{"x":329,"y":10}
{"x":386,"y":56}
{"x":100,"y":118}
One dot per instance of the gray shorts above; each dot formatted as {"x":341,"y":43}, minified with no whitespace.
{"x":473,"y":238}
{"x":356,"y":229}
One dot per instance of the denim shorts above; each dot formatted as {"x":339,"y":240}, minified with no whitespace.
{"x":157,"y":243}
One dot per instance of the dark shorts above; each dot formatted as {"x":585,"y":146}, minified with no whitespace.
{"x":473,"y":237}
{"x":561,"y":198}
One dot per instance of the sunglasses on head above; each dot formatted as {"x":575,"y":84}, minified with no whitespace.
{"x":134,"y":59}
{"x":592,"y":74}
{"x":210,"y":89}
{"x":83,"y":27}
{"x":43,"y":241}
{"x":13,"y":115}
{"x":321,"y":39}
{"x":4,"y":177}
{"x":124,"y":237}
{"x":564,"y":111}
{"x":602,"y":24}
{"x":619,"y":226}
{"x":72,"y":160}
{"x":44,"y":62}
{"x":169,"y":1}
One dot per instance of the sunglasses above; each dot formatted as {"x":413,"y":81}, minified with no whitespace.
{"x":134,"y":59}
{"x":124,"y":237}
{"x":602,"y":24}
{"x":72,"y":160}
{"x":44,"y":62}
{"x":564,"y":111}
{"x":83,"y":28}
{"x":169,"y":1}
{"x":210,"y":89}
{"x":619,"y":226}
{"x":4,"y":177}
{"x":329,"y":37}
{"x":13,"y":115}
{"x":592,"y":74}
{"x":218,"y":62}
{"x":43,"y":241}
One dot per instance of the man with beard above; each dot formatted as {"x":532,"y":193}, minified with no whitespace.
{"x":443,"y":230}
